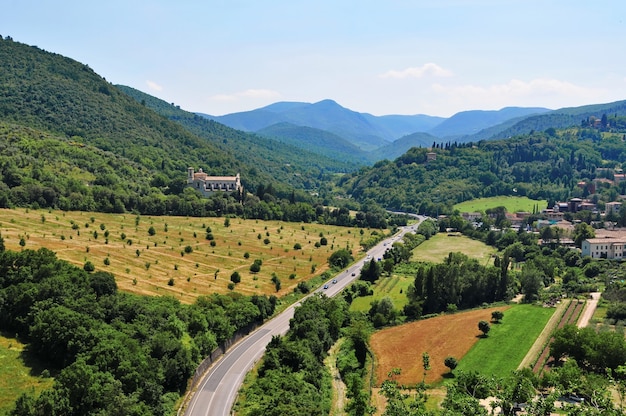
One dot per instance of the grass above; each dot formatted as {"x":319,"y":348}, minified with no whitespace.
{"x":508,"y":342}
{"x":512,"y":204}
{"x":440,"y":245}
{"x":159,"y":265}
{"x":19,"y":373}
{"x":393,"y":287}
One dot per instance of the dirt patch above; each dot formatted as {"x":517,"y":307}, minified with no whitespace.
{"x":442,"y":336}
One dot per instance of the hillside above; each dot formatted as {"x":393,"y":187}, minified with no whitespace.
{"x":70,"y":139}
{"x":467,"y":123}
{"x":539,"y":165}
{"x":403,"y":144}
{"x":269,"y":155}
{"x":316,"y":141}
{"x":558,"y":119}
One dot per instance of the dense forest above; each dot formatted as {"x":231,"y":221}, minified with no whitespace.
{"x":111,"y":352}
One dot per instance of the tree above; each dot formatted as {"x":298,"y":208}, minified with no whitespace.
{"x":235,"y":277}
{"x":340,"y":259}
{"x":151,"y":230}
{"x":484,"y":327}
{"x":451,"y":363}
{"x":582,"y":232}
{"x":425,"y":364}
{"x":496,"y":316}
{"x":89,"y":267}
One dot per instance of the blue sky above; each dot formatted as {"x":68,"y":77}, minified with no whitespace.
{"x":381,"y":57}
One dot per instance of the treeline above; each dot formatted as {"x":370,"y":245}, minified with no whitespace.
{"x":293,"y":380}
{"x":542,"y":165}
{"x":111,"y":353}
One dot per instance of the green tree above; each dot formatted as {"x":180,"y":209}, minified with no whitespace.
{"x":340,"y":259}
{"x":235,"y":277}
{"x":496,"y":316}
{"x":451,"y":363}
{"x":582,"y":231}
{"x":484,"y":327}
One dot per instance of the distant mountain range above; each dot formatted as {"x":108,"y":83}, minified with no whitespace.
{"x":328,"y":128}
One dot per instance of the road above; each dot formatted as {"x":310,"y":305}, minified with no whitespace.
{"x":217,"y":390}
{"x":590,"y":308}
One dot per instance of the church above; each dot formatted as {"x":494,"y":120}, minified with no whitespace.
{"x":209,"y":185}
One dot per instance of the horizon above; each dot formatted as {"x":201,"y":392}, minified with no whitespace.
{"x":400,"y":58}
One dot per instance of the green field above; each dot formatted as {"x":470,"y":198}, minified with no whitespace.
{"x":512,"y":204}
{"x":19,"y":373}
{"x":508,"y":342}
{"x":440,"y":245}
{"x":394,"y":287}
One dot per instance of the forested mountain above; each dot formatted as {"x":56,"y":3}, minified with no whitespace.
{"x":269,"y":156}
{"x":70,"y":139}
{"x":403,"y":144}
{"x":542,"y":165}
{"x":467,"y":123}
{"x":558,"y":119}
{"x":317,"y":141}
{"x":366,"y":131}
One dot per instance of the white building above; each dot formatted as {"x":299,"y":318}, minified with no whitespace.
{"x":208,"y":185}
{"x":604,"y":248}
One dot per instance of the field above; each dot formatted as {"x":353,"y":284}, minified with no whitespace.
{"x":508,"y":342}
{"x":393,"y":287}
{"x":457,"y":335}
{"x":18,"y":374}
{"x":512,"y":204}
{"x":448,"y":335}
{"x":178,"y":259}
{"x":440,"y":245}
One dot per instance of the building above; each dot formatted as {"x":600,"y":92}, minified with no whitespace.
{"x":431,"y":156}
{"x":613,"y":208}
{"x":209,"y":185}
{"x":604,"y":248}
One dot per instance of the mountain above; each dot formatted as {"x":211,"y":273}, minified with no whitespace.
{"x":560,"y":118}
{"x":316,"y":141}
{"x":470,"y":122}
{"x":70,"y":139}
{"x":403,"y":144}
{"x":365,"y":131}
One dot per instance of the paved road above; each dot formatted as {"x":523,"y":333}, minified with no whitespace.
{"x":217,"y":390}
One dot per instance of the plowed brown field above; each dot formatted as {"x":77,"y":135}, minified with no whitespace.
{"x":442,"y":336}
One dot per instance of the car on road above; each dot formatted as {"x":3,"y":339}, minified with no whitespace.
{"x":325,"y":286}
{"x":353,"y":274}
{"x":334,"y":281}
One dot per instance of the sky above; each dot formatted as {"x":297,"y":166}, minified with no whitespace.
{"x":381,"y":57}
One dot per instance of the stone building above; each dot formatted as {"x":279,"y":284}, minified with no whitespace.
{"x":209,"y":185}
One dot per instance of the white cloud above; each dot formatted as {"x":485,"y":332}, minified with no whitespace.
{"x":428,"y":69}
{"x":518,"y":88}
{"x":154,"y":86}
{"x":250,"y":93}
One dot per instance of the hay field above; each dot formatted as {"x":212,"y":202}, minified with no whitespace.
{"x":447,"y":335}
{"x":159,"y":264}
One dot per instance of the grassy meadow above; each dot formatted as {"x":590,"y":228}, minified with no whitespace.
{"x":178,"y":259}
{"x":512,"y":204}
{"x":437,"y":248}
{"x":508,"y":342}
{"x":19,"y":373}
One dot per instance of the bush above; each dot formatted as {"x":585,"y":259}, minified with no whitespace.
{"x":89,"y":267}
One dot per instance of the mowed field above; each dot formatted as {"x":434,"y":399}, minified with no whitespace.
{"x":447,"y":335}
{"x":159,"y":264}
{"x":512,"y":204}
{"x":437,"y":248}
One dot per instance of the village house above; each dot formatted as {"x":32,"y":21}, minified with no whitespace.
{"x":604,"y":248}
{"x":209,"y":185}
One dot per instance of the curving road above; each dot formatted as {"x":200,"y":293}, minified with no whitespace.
{"x":216,"y":392}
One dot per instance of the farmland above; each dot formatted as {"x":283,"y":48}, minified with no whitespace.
{"x":511,"y":203}
{"x":457,"y":335}
{"x":173,"y":256}
{"x":440,"y":245}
